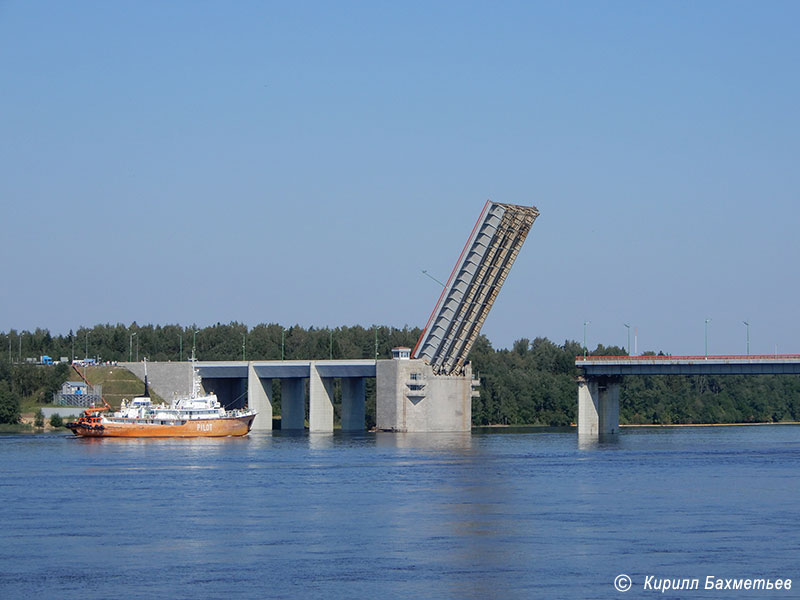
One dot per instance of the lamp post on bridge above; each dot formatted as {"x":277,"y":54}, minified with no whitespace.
{"x":585,"y":323}
{"x":628,"y":327}
{"x":707,"y":322}
{"x":434,"y":278}
{"x":130,"y":347}
{"x":747,"y":325}
{"x":194,"y":344}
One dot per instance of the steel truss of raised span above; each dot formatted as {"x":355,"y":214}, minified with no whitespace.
{"x":473,"y":285}
{"x":762,"y":364}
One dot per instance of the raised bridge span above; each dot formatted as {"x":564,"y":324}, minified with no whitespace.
{"x":598,"y":385}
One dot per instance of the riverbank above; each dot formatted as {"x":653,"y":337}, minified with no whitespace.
{"x":716,"y":424}
{"x":26,"y":425}
{"x":572,"y":426}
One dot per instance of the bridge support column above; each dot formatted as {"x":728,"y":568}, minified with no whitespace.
{"x":354,"y":401}
{"x":320,"y":402}
{"x":293,"y":401}
{"x":598,"y":405}
{"x":259,"y":398}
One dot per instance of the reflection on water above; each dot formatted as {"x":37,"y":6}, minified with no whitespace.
{"x":424,"y":441}
{"x":320,"y":441}
{"x":597,"y":442}
{"x":493,"y":514}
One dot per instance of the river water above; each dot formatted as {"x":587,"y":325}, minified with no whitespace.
{"x":495,"y":514}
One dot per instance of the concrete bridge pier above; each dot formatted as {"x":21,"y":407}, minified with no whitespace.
{"x":293,"y":404}
{"x":598,"y":405}
{"x":320,"y":402}
{"x":259,"y":398}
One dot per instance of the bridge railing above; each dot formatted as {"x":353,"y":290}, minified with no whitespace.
{"x":667,"y":357}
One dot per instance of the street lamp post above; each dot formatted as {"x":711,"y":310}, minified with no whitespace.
{"x":585,"y":323}
{"x":434,"y":278}
{"x":180,"y":345}
{"x":707,"y":322}
{"x":747,"y":325}
{"x":244,"y":345}
{"x":130,"y":347}
{"x":87,"y":344}
{"x":194,"y":343}
{"x":628,"y":327}
{"x":283,"y":342}
{"x":137,"y":348}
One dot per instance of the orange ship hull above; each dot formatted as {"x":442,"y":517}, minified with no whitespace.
{"x":222,"y":427}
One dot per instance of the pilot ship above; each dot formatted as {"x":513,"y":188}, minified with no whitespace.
{"x":198,"y":415}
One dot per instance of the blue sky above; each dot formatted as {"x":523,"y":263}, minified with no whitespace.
{"x":203,"y":162}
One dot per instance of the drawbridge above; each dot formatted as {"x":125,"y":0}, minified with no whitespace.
{"x":473,"y":286}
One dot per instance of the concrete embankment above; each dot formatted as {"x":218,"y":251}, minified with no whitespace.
{"x":167,"y":379}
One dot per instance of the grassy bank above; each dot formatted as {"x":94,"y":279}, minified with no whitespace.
{"x":117,"y":382}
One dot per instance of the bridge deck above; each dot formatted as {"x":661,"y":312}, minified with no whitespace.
{"x":762,"y":364}
{"x":287,"y":369}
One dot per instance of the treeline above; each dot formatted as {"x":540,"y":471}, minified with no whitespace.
{"x":533,"y":382}
{"x":665,"y":400}
{"x":233,"y":341}
{"x":25,"y":381}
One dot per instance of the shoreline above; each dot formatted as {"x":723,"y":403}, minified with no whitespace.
{"x":645,"y":425}
{"x":28,"y":428}
{"x":719,"y":424}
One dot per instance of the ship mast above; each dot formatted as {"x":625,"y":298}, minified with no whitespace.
{"x":195,"y":378}
{"x":146,"y":385}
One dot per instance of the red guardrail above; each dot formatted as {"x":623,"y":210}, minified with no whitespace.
{"x":698,"y":357}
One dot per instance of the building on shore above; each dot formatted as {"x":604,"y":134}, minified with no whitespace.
{"x":78,"y":393}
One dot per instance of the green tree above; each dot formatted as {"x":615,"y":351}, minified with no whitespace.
{"x":56,"y":420}
{"x":9,"y":404}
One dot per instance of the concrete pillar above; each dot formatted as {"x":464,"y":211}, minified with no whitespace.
{"x":354,"y":400}
{"x":598,"y":406}
{"x":293,"y":400}
{"x":320,"y":402}
{"x":259,"y":398}
{"x":411,"y":398}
